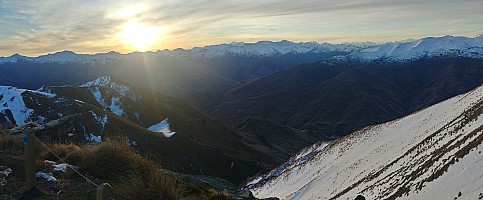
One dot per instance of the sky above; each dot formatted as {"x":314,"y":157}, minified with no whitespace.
{"x":33,"y":27}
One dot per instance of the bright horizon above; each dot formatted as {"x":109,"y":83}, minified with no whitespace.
{"x":154,"y":50}
{"x":35,"y":28}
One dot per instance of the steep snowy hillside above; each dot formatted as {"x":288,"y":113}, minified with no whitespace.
{"x":435,"y":153}
{"x":13,"y":108}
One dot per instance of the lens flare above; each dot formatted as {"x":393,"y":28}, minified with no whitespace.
{"x":140,"y":36}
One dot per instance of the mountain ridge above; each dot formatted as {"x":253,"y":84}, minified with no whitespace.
{"x":164,"y":128}
{"x":400,"y":50}
{"x":343,"y":97}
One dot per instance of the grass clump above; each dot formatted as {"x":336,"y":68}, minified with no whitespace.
{"x":217,"y":195}
{"x":134,"y":177}
{"x":11,"y":142}
{"x":110,"y":159}
{"x":115,"y":162}
{"x":70,"y":153}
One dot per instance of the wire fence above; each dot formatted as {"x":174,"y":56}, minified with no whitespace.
{"x":104,"y":190}
{"x":58,"y":157}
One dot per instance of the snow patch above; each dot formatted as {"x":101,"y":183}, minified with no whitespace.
{"x":93,"y":138}
{"x":62,"y":167}
{"x":98,"y":96}
{"x":47,"y":176}
{"x":162,"y":127}
{"x":102,"y":120}
{"x":132,"y":143}
{"x":49,"y":161}
{"x":3,"y":175}
{"x":115,"y":106}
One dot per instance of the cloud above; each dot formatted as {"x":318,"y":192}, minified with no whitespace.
{"x":88,"y":26}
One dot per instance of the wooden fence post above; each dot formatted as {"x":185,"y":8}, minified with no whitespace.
{"x":104,"y":192}
{"x":29,"y":157}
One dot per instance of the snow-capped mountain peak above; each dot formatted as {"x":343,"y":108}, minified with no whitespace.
{"x":107,"y":82}
{"x":71,"y":57}
{"x":111,"y":94}
{"x":101,"y":81}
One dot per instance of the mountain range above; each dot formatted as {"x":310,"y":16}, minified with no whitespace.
{"x":235,"y":110}
{"x":201,"y":75}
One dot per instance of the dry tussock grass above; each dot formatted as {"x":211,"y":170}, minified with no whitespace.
{"x":132,"y":176}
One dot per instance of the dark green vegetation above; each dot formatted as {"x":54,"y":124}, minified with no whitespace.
{"x":332,"y":100}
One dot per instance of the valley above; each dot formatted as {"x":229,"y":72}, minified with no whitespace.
{"x":280,"y":119}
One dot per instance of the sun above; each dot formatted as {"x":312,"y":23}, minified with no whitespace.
{"x":140,"y":36}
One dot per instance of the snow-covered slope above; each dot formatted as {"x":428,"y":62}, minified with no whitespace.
{"x":407,"y":49}
{"x":435,"y":153}
{"x":12,"y":105}
{"x":112,"y":95}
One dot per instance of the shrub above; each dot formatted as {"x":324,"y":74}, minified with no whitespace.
{"x":149,"y":185}
{"x":216,"y":195}
{"x":109,"y":159}
{"x":132,"y":176}
{"x":70,"y":153}
{"x":11,"y":142}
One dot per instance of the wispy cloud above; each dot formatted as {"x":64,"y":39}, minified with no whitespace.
{"x":35,"y":27}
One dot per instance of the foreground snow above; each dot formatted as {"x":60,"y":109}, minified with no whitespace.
{"x":433,"y":154}
{"x":3,"y":175}
{"x":47,"y":176}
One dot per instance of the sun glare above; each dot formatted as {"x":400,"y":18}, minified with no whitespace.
{"x":140,"y":36}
